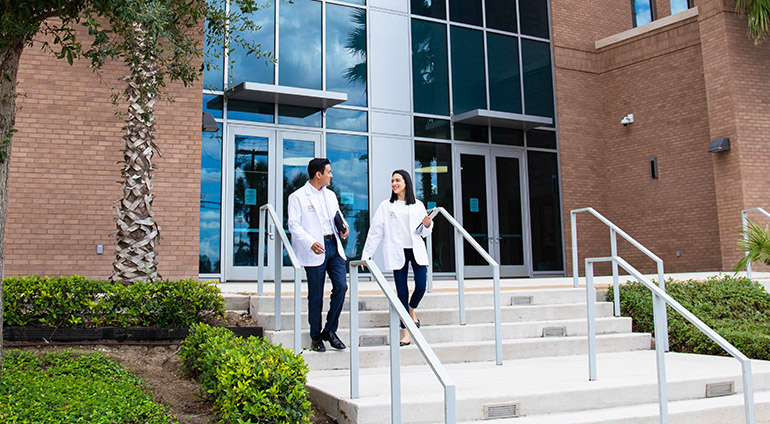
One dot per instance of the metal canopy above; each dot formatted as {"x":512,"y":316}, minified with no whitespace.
{"x":502,"y":119}
{"x":268,"y":93}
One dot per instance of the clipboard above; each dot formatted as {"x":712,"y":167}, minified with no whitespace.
{"x":431,"y":214}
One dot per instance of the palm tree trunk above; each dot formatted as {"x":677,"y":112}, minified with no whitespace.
{"x":137,"y":232}
{"x":9,"y":65}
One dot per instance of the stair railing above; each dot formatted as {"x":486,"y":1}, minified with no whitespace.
{"x":281,"y":243}
{"x":660,"y":299}
{"x":461,"y":233}
{"x":397,"y":313}
{"x":744,"y":221}
{"x":614,"y":232}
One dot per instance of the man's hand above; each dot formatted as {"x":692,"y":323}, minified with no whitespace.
{"x":317,"y":248}
{"x":345,"y":234}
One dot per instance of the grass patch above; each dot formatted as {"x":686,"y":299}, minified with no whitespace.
{"x":738,"y":309}
{"x":65,"y":387}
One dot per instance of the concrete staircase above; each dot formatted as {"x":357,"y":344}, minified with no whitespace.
{"x":544,"y":376}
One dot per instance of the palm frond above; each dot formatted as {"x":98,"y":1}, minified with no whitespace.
{"x":755,"y":243}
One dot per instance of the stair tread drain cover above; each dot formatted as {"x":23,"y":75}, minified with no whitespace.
{"x":554,"y":331}
{"x":500,"y":410}
{"x":724,"y":388}
{"x":521,"y":300}
{"x":372,"y":341}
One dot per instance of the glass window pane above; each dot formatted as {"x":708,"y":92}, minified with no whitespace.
{"x":431,"y":128}
{"x":477,"y":133}
{"x":433,"y":186}
{"x":250,"y":193}
{"x":213,"y":105}
{"x":538,"y":85}
{"x":249,"y":111}
{"x":511,"y":241}
{"x":507,"y":136}
{"x":296,"y":155}
{"x":346,"y":52}
{"x":299,"y":115}
{"x":679,"y":6}
{"x":344,"y":119}
{"x":465,"y":11}
{"x":501,"y":14}
{"x":429,"y":8}
{"x":248,"y":67}
{"x":545,"y":211}
{"x":211,"y":202}
{"x":430,"y":73}
{"x":350,"y":165}
{"x":473,"y":177}
{"x":354,"y":1}
{"x":642,"y":11}
{"x":300,"y":41}
{"x":540,"y":138}
{"x":534,"y":18}
{"x":213,"y":69}
{"x":469,"y":87}
{"x":504,"y":77}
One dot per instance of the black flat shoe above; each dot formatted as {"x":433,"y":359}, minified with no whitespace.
{"x":404,"y":343}
{"x":333,"y":340}
{"x":317,"y":345}
{"x":417,"y":323}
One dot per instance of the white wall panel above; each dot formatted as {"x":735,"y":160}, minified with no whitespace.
{"x":391,"y":123}
{"x":389,"y":56}
{"x":397,"y":5}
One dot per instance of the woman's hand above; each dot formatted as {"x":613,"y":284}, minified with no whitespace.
{"x":426,"y":221}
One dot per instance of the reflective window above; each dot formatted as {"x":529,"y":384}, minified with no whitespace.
{"x":346,"y":52}
{"x":501,"y":14}
{"x":641,"y":11}
{"x":249,"y":193}
{"x":354,"y":1}
{"x":465,"y":11}
{"x":299,"y":57}
{"x":477,"y":133}
{"x":299,"y":115}
{"x":540,"y":138}
{"x":430,"y":75}
{"x":211,"y":202}
{"x":296,"y":155}
{"x":248,"y":67}
{"x":504,"y":78}
{"x":473,"y":180}
{"x":431,"y":128}
{"x":508,"y":136}
{"x":430,"y":8}
{"x":680,"y":6}
{"x":433,"y":186}
{"x":213,"y":69}
{"x":213,"y":105}
{"x":250,"y":111}
{"x":545,"y":215}
{"x":345,"y":119}
{"x":534,"y":17}
{"x":469,"y":88}
{"x":350,"y":165}
{"x":538,"y":85}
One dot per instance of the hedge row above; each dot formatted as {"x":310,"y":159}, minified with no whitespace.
{"x":77,"y":302}
{"x":248,"y":380}
{"x":736,"y":308}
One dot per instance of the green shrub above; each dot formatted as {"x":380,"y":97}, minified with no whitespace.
{"x":249,"y":380}
{"x":738,"y":309}
{"x":77,"y":302}
{"x":63,"y":387}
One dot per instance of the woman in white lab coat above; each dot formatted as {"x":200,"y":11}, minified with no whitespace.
{"x":401,"y":223}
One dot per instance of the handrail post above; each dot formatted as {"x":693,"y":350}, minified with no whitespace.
{"x":460,"y":272}
{"x":260,"y":251}
{"x":662,"y":308}
{"x":498,"y":327}
{"x":395,"y":370}
{"x":615,"y":283}
{"x":429,"y":245}
{"x":748,"y":391}
{"x":354,"y":332}
{"x":591,"y":313}
{"x":297,"y":310}
{"x":277,"y":266}
{"x":745,"y":223}
{"x":660,"y":358}
{"x":575,"y":271}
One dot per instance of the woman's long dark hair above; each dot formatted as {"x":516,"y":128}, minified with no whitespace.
{"x":408,"y":191}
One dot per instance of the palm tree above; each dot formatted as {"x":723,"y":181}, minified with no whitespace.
{"x":755,"y":243}
{"x":758,"y":12}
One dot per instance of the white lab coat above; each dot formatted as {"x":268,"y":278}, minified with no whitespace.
{"x":386,"y":228}
{"x":305,"y":223}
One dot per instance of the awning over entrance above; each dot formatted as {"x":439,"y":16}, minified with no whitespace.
{"x":502,"y":119}
{"x":268,"y":93}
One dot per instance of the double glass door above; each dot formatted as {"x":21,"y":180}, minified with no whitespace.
{"x":494,"y":209}
{"x":262,"y":166}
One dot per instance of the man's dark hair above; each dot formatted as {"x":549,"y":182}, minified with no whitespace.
{"x":408,"y":190}
{"x":316,"y":165}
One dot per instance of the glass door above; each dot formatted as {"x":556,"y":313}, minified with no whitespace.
{"x":493,"y":210}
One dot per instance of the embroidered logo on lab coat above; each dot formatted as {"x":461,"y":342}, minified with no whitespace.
{"x":310,"y":208}
{"x":392,"y":214}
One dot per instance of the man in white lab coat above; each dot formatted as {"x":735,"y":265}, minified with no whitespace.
{"x":316,"y":241}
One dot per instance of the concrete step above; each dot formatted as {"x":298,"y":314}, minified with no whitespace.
{"x":236,"y":302}
{"x":547,"y":385}
{"x":480,"y":352}
{"x":437,"y":300}
{"x":471,"y":332}
{"x":430,"y":317}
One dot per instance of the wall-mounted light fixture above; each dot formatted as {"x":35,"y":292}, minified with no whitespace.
{"x":654,"y":167}
{"x":209,"y":123}
{"x":627,"y":120}
{"x":719,"y":145}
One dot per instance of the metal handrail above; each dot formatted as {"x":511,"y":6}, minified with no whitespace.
{"x":459,"y":265}
{"x":281,"y":242}
{"x":744,"y":221}
{"x":614,"y":232}
{"x":397,"y":312}
{"x":658,"y":309}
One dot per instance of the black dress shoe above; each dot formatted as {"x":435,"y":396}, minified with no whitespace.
{"x":317,"y":345}
{"x":334,"y":341}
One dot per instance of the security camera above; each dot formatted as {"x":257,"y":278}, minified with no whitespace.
{"x":627,"y":120}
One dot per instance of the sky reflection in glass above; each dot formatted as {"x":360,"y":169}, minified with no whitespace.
{"x":249,"y":67}
{"x":344,"y":119}
{"x":679,"y":6}
{"x":211,"y":201}
{"x":346,"y":52}
{"x":299,"y":57}
{"x":430,"y":73}
{"x":642,"y":12}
